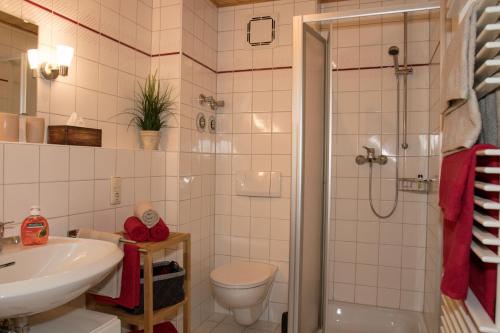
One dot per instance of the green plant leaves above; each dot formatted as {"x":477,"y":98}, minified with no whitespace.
{"x":153,"y":106}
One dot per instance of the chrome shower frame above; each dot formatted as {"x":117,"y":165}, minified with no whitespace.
{"x":298,"y":149}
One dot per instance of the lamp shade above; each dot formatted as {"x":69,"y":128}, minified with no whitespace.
{"x":33,"y":58}
{"x":64,"y":55}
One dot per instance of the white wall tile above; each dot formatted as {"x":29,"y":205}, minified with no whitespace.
{"x":54,"y":163}
{"x":21,"y":163}
{"x":18,"y":199}
{"x":54,"y":199}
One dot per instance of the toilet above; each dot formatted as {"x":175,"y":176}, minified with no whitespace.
{"x":244,"y":288}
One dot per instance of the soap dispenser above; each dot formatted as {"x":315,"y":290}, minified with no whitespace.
{"x":35,"y":228}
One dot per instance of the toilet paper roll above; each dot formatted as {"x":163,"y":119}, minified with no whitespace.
{"x":146,"y":213}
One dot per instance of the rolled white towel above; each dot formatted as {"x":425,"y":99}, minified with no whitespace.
{"x":99,"y":235}
{"x":145,"y":212}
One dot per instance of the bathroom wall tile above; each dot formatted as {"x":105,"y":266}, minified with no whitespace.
{"x":414,"y":235}
{"x":240,"y":247}
{"x":102,"y":194}
{"x":124,"y":163}
{"x":389,"y":277}
{"x":389,"y":298}
{"x":50,"y":171}
{"x":413,"y":280}
{"x":413,"y":257}
{"x":280,"y":229}
{"x":21,"y":163}
{"x":81,"y":163}
{"x":367,"y":253}
{"x":345,"y":251}
{"x":411,"y":300}
{"x":54,"y":199}
{"x":391,"y":233}
{"x":261,"y":228}
{"x":104,"y":163}
{"x":366,"y":295}
{"x":81,"y":197}
{"x":104,"y":220}
{"x":59,"y":226}
{"x":18,"y":199}
{"x":343,"y":292}
{"x":366,"y":275}
{"x":85,"y":220}
{"x":368,"y":232}
{"x":390,"y":255}
{"x":260,"y":250}
{"x":279,"y":250}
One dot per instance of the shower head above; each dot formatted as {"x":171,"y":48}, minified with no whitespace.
{"x":394,"y":52}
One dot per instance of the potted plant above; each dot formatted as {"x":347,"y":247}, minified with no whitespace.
{"x":152,"y":108}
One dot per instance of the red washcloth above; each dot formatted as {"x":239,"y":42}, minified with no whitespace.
{"x":136,"y":230}
{"x":456,"y":198}
{"x":166,"y":327}
{"x":159,"y":232}
{"x":131,"y":280}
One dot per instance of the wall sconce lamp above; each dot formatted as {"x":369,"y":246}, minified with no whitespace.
{"x":50,"y":69}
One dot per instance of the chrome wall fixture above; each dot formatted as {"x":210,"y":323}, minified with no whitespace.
{"x":212,"y":124}
{"x":201,"y":122}
{"x":371,"y":157}
{"x":50,"y":67}
{"x":211,"y":101}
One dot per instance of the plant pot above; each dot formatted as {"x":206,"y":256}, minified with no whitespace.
{"x":150,"y":139}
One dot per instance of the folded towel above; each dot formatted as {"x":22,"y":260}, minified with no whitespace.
{"x":461,"y":117}
{"x":136,"y":230}
{"x":111,"y":285}
{"x":165,"y":327}
{"x":131,"y":280}
{"x":489,"y":120}
{"x":456,"y":199}
{"x":461,"y":128}
{"x":159,"y":232}
{"x":99,"y":235}
{"x":146,"y":213}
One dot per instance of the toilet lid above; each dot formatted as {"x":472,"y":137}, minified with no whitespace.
{"x":242,"y":274}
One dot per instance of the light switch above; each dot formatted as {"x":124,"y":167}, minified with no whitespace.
{"x":116,"y":191}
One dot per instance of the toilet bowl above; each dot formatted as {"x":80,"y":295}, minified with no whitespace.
{"x":244,"y":288}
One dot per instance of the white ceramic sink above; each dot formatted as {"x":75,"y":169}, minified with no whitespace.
{"x":46,"y":276}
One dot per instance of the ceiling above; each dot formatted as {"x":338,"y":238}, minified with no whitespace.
{"x":227,"y":3}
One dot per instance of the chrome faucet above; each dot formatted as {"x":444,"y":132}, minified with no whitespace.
{"x":371,"y":157}
{"x":2,"y":233}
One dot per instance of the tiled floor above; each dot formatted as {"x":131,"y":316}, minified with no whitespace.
{"x":220,"y":323}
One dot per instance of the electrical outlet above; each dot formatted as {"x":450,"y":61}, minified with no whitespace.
{"x":116,"y":191}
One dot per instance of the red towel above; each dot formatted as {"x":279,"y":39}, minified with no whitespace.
{"x":166,"y":327}
{"x":131,"y":280}
{"x":456,"y":198}
{"x":136,"y":230}
{"x":159,"y":232}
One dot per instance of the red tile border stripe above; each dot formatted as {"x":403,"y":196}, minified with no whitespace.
{"x":190,"y":57}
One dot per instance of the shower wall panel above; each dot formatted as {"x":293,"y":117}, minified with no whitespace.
{"x":378,"y":261}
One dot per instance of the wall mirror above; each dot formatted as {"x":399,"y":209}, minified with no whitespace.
{"x":17,"y":85}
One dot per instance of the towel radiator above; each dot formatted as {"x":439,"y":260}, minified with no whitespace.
{"x":470,"y":316}
{"x":486,"y":76}
{"x":482,"y":239}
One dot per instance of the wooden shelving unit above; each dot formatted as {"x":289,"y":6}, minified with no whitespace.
{"x":150,"y":317}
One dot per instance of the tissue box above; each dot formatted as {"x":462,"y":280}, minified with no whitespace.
{"x":73,"y":135}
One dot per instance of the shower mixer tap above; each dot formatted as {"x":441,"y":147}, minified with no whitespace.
{"x":371,"y":157}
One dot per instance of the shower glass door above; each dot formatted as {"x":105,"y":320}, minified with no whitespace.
{"x":310,"y":188}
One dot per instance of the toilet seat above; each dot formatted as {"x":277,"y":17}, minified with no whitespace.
{"x":242,"y":275}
